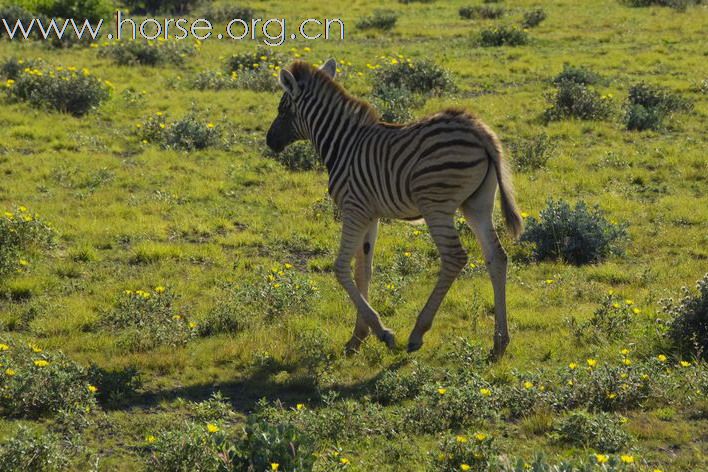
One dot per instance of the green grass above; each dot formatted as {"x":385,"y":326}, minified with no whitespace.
{"x":130,"y":215}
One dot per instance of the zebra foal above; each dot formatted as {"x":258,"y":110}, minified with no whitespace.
{"x":427,"y":169}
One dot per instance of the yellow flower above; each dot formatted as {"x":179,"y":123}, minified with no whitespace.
{"x":592,"y":363}
{"x":461,"y":439}
{"x":442,"y":391}
{"x":524,"y":214}
{"x":306,"y":49}
{"x":610,"y":292}
{"x":549,"y":281}
{"x":210,"y":125}
{"x":41,"y":363}
{"x":34,"y":347}
{"x":615,"y":305}
{"x":176,"y":317}
{"x":212,"y":428}
{"x":162,"y":126}
{"x":4,"y":347}
{"x":92,"y":388}
{"x":572,"y":366}
{"x":159,"y":113}
{"x":480,"y":436}
{"x":274,"y":466}
{"x":626,"y":362}
{"x":160,"y":289}
{"x":629,"y":302}
{"x":192,"y":325}
{"x":627,"y":459}
{"x":465,"y":467}
{"x":685,"y":364}
{"x":528,"y":385}
{"x":9,"y":372}
{"x":150,"y":439}
{"x":636,"y":311}
{"x":407,"y":254}
{"x":601,"y":458}
{"x":661,"y":357}
{"x":624,"y":351}
{"x":612,"y":395}
{"x":300,"y":406}
{"x":485,"y":391}
{"x":288,"y":266}
{"x":344,"y":461}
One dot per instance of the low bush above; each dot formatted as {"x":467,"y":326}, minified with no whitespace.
{"x":93,"y":10}
{"x":146,"y":319}
{"x":679,"y":5}
{"x":533,"y":18}
{"x":186,"y":134}
{"x":420,"y":77}
{"x":575,"y":100}
{"x":688,"y":320}
{"x":114,"y":386}
{"x":610,"y":321}
{"x":578,"y":75}
{"x":482,"y":12}
{"x":13,"y":13}
{"x":503,"y":36}
{"x":600,"y":431}
{"x":147,"y":53}
{"x":28,"y":450}
{"x":213,"y":80}
{"x":195,"y":447}
{"x":256,"y":70}
{"x":579,"y":235}
{"x":380,"y":19}
{"x":299,"y":156}
{"x":647,"y":106}
{"x":532,"y":153}
{"x":21,"y":234}
{"x":66,"y":90}
{"x":395,"y":103}
{"x":161,"y":6}
{"x":282,"y":289}
{"x":35,"y":383}
{"x":473,"y":452}
{"x":226,"y":13}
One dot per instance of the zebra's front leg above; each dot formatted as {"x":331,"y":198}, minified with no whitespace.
{"x":353,"y":231}
{"x":453,"y":259}
{"x":362,"y":276}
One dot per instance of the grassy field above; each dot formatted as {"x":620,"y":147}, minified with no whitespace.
{"x":209,"y":227}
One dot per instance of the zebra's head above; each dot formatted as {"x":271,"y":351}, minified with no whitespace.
{"x":289,"y":126}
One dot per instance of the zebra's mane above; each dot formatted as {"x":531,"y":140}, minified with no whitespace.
{"x":308,"y":75}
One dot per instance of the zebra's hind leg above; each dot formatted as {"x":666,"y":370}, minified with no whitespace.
{"x":353,"y":231}
{"x":453,"y":258}
{"x":362,"y":277}
{"x":478,"y":213}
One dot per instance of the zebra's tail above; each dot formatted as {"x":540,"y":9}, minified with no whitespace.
{"x":512,"y":215}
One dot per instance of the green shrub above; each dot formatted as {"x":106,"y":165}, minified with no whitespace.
{"x":533,"y":18}
{"x":474,"y":452}
{"x":679,"y":5}
{"x":648,"y":105}
{"x":28,"y":450}
{"x":148,"y":318}
{"x":610,"y":321}
{"x":533,"y":153}
{"x":380,"y":19}
{"x":579,"y":235}
{"x":578,"y":75}
{"x":64,"y":90}
{"x":688,"y":323}
{"x":256,"y":70}
{"x":407,"y":263}
{"x":280,"y":290}
{"x":423,"y":77}
{"x":299,"y":156}
{"x":226,"y":13}
{"x":13,"y":13}
{"x":573,"y":100}
{"x":601,"y":431}
{"x":228,"y":316}
{"x":395,"y":103}
{"x":215,"y":408}
{"x":187,"y":134}
{"x":160,"y":6}
{"x":21,"y":233}
{"x":93,"y":10}
{"x":281,"y":443}
{"x":194,"y":447}
{"x":393,"y":386}
{"x":213,"y":80}
{"x":147,"y":53}
{"x":503,"y":36}
{"x":35,"y":383}
{"x":114,"y":386}
{"x":481,"y":11}
{"x":12,"y":68}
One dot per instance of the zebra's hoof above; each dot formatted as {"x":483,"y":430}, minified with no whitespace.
{"x":388,"y":338}
{"x":352,"y":347}
{"x":414,"y":346}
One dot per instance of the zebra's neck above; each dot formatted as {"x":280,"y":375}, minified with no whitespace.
{"x":334,"y":120}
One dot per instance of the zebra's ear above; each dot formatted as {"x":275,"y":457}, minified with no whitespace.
{"x":329,"y":68}
{"x":288,"y":82}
